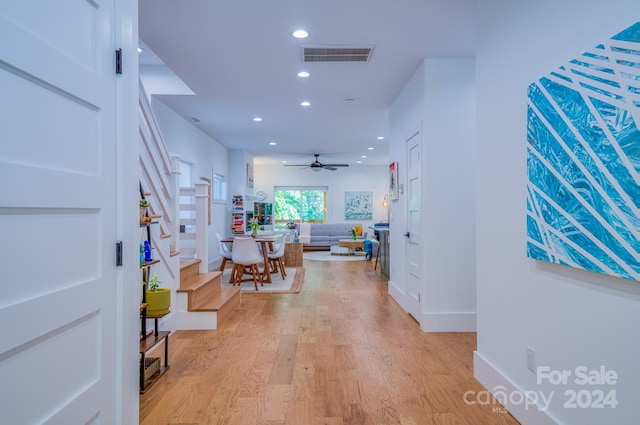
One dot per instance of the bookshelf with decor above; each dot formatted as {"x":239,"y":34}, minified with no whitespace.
{"x":237,"y":215}
{"x":151,"y":368}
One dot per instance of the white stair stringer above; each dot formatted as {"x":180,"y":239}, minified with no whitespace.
{"x":194,"y":320}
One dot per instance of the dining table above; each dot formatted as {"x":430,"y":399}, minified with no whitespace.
{"x":266,"y":245}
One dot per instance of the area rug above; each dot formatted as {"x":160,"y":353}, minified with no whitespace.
{"x":326,"y":256}
{"x":290,"y":285}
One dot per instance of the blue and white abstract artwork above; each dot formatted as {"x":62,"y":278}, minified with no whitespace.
{"x":583,"y":160}
{"x":358,"y":205}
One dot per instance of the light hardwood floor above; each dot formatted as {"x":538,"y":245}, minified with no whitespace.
{"x":339,"y":352}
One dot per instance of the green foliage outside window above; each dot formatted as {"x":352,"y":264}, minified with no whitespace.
{"x":299,"y":205}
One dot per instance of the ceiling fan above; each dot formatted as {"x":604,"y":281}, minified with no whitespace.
{"x":317,"y":165}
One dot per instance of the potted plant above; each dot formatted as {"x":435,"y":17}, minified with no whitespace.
{"x":253,"y":223}
{"x":144,"y":204}
{"x":158,"y":299}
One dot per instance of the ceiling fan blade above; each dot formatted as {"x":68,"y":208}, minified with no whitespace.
{"x":317,"y":165}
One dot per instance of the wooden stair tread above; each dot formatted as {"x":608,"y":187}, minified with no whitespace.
{"x":188,"y":263}
{"x":216,"y":302}
{"x":174,"y":253}
{"x":189,"y":268}
{"x":165,"y":235}
{"x":194,"y":283}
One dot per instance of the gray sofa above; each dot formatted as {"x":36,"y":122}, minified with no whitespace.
{"x":328,"y":234}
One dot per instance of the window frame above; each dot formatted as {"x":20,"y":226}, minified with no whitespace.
{"x":280,"y":224}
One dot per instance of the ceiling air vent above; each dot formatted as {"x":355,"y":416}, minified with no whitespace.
{"x":336,"y":54}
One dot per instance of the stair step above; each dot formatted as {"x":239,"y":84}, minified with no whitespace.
{"x":188,"y":269}
{"x":197,"y":282}
{"x":225,"y":299}
{"x":174,"y":253}
{"x":205,"y":292}
{"x":165,"y":235}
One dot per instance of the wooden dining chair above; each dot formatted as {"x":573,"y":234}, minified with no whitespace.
{"x":245,"y":254}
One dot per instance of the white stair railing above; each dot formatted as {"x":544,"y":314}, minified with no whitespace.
{"x":159,"y":177}
{"x":194,"y":219}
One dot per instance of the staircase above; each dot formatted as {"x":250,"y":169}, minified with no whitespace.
{"x":198,"y":299}
{"x":202,"y":300}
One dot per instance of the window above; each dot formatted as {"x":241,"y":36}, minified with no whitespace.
{"x":219,"y":188}
{"x":299,"y":203}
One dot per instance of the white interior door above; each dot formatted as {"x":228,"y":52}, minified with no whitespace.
{"x":57,"y":212}
{"x":413,"y":235}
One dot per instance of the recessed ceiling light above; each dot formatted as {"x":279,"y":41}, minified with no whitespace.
{"x":380,"y":137}
{"x":303,"y":74}
{"x":273,"y":143}
{"x":363,"y":156}
{"x":284,"y":162}
{"x":300,"y":34}
{"x":358,"y":162}
{"x":305,"y":103}
{"x":257,"y":119}
{"x":371,"y":148}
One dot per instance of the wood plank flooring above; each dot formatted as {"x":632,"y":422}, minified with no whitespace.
{"x":339,"y":352}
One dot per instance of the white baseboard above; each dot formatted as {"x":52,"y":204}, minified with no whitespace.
{"x":198,"y":321}
{"x":495,"y":381}
{"x":397,"y":294}
{"x":448,"y":322}
{"x":437,"y":322}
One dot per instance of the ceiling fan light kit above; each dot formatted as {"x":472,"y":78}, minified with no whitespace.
{"x":317,"y":165}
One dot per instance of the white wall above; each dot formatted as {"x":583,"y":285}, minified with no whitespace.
{"x":355,"y":178}
{"x":208,"y":156}
{"x":440,"y":99}
{"x":238,"y":184}
{"x":570,"y":317}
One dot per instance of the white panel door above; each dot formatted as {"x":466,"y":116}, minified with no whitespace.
{"x":413,"y":258}
{"x":57,"y":212}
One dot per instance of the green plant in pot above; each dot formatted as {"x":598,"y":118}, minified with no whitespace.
{"x":144,"y":204}
{"x":158,"y":299}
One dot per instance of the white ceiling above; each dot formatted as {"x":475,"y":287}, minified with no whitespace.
{"x":240,"y":60}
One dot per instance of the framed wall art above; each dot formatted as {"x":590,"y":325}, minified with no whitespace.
{"x":393,"y":181}
{"x":358,"y":205}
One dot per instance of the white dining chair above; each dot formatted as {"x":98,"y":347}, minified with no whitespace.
{"x":276,"y":257}
{"x":245,"y":254}
{"x":224,"y":251}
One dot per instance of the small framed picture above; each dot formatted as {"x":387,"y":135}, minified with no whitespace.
{"x":393,"y":181}
{"x":249,"y":175}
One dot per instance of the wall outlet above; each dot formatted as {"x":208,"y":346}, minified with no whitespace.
{"x":531,"y":359}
